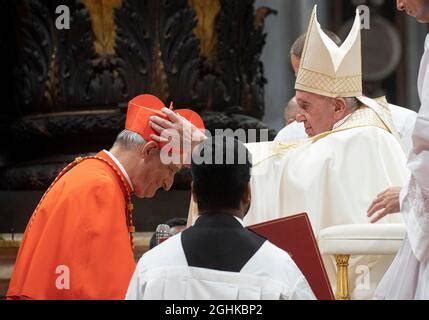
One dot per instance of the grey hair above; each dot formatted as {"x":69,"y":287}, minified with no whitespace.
{"x":353,"y":103}
{"x":128,"y":139}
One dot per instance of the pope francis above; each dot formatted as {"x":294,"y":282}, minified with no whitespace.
{"x":353,"y":153}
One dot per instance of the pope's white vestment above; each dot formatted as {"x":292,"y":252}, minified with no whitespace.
{"x":293,"y":131}
{"x":333,"y":177}
{"x":403,"y":120}
{"x":408,"y":276}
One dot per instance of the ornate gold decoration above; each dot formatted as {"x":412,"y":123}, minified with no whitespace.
{"x":342,"y":292}
{"x":260,"y":15}
{"x":103,"y":24}
{"x":335,"y":85}
{"x":206,"y":11}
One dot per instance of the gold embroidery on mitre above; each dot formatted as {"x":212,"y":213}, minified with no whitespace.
{"x":325,"y":85}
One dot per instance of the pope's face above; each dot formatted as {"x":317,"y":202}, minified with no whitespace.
{"x":316,"y":112}
{"x":153,"y":175}
{"x":415,"y":8}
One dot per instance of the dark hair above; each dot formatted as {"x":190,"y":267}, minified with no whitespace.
{"x":298,"y":46}
{"x":174,"y":222}
{"x":221,"y":172}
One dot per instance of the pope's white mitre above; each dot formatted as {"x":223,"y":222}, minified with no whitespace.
{"x":327,"y":69}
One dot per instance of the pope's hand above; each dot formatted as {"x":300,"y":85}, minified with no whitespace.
{"x":385,"y":203}
{"x":177,"y":131}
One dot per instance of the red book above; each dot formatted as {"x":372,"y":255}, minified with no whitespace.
{"x":295,"y":235}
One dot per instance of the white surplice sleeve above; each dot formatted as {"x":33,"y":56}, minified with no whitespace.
{"x":415,"y":196}
{"x":302,"y":291}
{"x":284,"y":271}
{"x":135,"y":288}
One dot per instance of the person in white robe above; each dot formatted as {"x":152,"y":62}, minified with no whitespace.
{"x":353,"y":153}
{"x":290,"y":111}
{"x":408,"y":276}
{"x":295,"y":130}
{"x":403,"y":119}
{"x":218,"y":258}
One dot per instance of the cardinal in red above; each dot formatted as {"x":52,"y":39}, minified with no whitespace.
{"x":78,"y":242}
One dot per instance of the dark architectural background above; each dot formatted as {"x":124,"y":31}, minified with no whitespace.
{"x":66,"y":91}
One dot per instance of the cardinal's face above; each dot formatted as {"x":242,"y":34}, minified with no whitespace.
{"x":153,"y":174}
